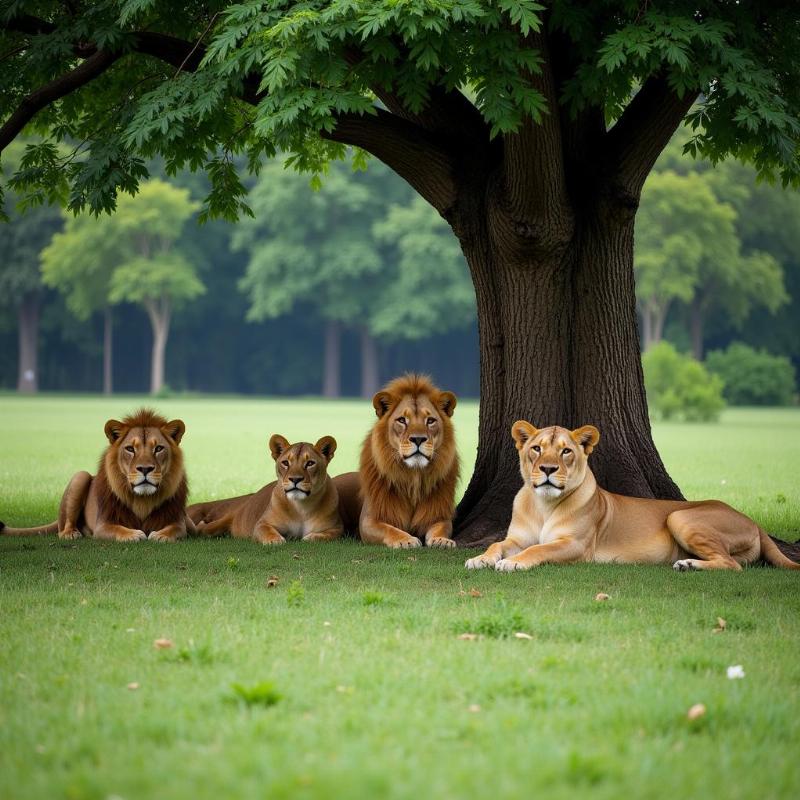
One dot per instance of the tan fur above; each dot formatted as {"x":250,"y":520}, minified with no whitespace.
{"x":143,"y":454}
{"x":302,"y":504}
{"x":579,"y":521}
{"x":399,"y":503}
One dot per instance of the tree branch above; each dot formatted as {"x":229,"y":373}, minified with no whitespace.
{"x":405,"y":148}
{"x":85,"y":72}
{"x":637,"y":138}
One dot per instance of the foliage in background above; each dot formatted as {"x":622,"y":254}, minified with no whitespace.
{"x":753,"y":377}
{"x":678,"y":387}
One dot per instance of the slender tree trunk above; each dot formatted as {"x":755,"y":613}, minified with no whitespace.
{"x":370,"y":377}
{"x":647,"y":328}
{"x":108,"y":350}
{"x":28,"y":325}
{"x":659,"y":318}
{"x":559,"y":345}
{"x":331,"y":380}
{"x":159,"y":313}
{"x":696,"y":327}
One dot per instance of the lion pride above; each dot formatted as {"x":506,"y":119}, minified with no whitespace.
{"x":405,"y":489}
{"x":139,"y":491}
{"x":562,"y":516}
{"x":302,"y":504}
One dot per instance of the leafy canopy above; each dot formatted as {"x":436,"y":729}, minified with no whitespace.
{"x":202,"y":83}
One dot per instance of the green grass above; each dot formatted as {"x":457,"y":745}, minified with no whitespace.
{"x":348,"y":677}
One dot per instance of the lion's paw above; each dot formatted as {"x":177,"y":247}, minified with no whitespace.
{"x":271,"y":540}
{"x":69,"y":533}
{"x":479,"y":562}
{"x":160,"y":536}
{"x":508,"y":565}
{"x":132,"y":536}
{"x":404,"y":544}
{"x":441,"y":541}
{"x":685,"y":565}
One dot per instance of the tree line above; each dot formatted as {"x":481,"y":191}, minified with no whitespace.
{"x":334,"y":282}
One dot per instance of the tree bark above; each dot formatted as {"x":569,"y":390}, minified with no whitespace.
{"x":331,"y":379}
{"x":108,"y":351}
{"x":559,"y":345}
{"x":159,"y":312}
{"x":696,"y":327}
{"x":370,"y":377}
{"x":28,"y":327}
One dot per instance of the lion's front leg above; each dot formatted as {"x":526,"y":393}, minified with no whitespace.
{"x":565,"y":550}
{"x":438,"y":535}
{"x":327,"y":535}
{"x":170,"y":533}
{"x":117,"y":533}
{"x":265,"y":533}
{"x":374,"y":532}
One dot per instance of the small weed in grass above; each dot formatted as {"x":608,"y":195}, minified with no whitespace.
{"x":500,"y":625}
{"x":371,"y":598}
{"x":295,"y":594}
{"x":196,"y":654}
{"x":260,"y":694}
{"x":233,"y":563}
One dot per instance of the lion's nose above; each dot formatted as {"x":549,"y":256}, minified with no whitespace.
{"x":548,"y":470}
{"x":145,"y":470}
{"x":418,"y":440}
{"x":295,"y":481}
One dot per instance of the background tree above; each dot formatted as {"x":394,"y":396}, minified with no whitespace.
{"x":80,"y":262}
{"x":152,"y":273}
{"x":531,"y":130}
{"x":20,"y":283}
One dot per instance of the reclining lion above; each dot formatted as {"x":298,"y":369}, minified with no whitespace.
{"x":562,"y":516}
{"x":405,"y":489}
{"x":139,"y":491}
{"x":302,"y":504}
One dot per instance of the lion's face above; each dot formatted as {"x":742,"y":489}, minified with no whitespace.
{"x":553,"y":460}
{"x":416,"y":425}
{"x":145,"y":456}
{"x":302,"y":468}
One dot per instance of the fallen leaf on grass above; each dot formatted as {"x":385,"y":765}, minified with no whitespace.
{"x":133,"y":686}
{"x":721,"y":625}
{"x":412,"y":558}
{"x":468,"y":637}
{"x":696,"y":711}
{"x":296,"y":556}
{"x":734,"y":672}
{"x":272,"y":581}
{"x":162,"y":644}
{"x":600,"y":596}
{"x":474,"y":708}
{"x":344,"y":689}
{"x":522,"y":635}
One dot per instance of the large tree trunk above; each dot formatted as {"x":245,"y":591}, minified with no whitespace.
{"x":159,"y":313}
{"x":559,"y":345}
{"x":370,"y":377}
{"x":696,"y":328}
{"x":28,"y":324}
{"x":331,"y":379}
{"x":108,"y":351}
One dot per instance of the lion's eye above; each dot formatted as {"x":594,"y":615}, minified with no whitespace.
{"x":158,"y":448}
{"x":431,"y":421}
{"x":310,"y":464}
{"x":536,"y":448}
{"x":401,"y":420}
{"x":130,"y":449}
{"x":566,"y":451}
{"x":285,"y":463}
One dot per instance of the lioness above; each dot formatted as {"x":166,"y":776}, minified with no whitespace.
{"x":562,"y":516}
{"x":302,"y":503}
{"x":140,"y":487}
{"x":406,"y":484}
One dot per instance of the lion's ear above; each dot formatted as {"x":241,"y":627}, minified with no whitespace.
{"x":521,"y":431}
{"x":447,"y":402}
{"x":114,"y":429}
{"x":326,"y":446}
{"x":587,"y":437}
{"x":277,"y":445}
{"x":382,"y":402}
{"x":174,"y":430}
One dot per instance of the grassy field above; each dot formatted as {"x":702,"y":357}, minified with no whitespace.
{"x":347,"y":677}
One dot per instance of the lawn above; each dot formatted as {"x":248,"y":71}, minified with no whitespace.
{"x":352,"y":679}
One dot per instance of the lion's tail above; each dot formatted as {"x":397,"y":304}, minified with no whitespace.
{"x":37,"y":531}
{"x":779,"y":553}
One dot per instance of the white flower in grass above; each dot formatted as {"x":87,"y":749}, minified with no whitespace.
{"x":736,"y":671}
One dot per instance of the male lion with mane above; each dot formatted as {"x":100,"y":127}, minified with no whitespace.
{"x":139,"y":491}
{"x":405,"y":488}
{"x":561,"y":516}
{"x":302,"y":504}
